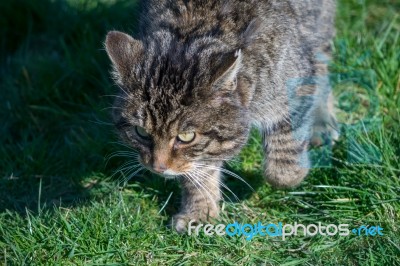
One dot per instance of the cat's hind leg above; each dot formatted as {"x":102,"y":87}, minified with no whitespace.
{"x":286,"y":157}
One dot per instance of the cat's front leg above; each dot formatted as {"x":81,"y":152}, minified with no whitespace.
{"x":286,"y":157}
{"x":200,"y":197}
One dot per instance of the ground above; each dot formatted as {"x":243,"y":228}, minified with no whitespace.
{"x":61,"y":204}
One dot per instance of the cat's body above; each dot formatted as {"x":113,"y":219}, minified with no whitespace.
{"x":201,"y":73}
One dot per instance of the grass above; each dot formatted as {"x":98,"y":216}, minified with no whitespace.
{"x":60,"y":205}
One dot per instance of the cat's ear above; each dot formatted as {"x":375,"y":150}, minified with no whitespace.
{"x":227,"y":86}
{"x":123,"y":50}
{"x":225,"y":75}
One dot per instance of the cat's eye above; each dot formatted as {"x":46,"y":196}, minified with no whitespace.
{"x":142,"y":132}
{"x":186,"y":137}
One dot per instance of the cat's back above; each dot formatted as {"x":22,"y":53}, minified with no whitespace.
{"x":188,"y":19}
{"x":229,"y":19}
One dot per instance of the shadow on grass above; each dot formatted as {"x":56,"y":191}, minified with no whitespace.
{"x":38,"y":193}
{"x":54,"y":74}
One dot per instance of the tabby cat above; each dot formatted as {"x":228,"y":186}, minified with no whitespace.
{"x":200,"y":73}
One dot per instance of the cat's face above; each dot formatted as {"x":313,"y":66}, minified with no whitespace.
{"x":172,"y":141}
{"x":179,"y":116}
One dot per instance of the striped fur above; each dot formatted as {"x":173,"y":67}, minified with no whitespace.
{"x":217,"y":68}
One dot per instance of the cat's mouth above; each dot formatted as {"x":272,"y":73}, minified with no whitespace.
{"x":168,"y":173}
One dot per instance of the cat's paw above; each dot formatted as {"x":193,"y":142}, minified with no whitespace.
{"x":285,"y":176}
{"x":181,"y":221}
{"x":325,"y":132}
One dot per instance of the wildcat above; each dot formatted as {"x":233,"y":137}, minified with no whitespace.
{"x":200,"y":74}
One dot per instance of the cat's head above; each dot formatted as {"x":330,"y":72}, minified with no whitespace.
{"x":179,"y":104}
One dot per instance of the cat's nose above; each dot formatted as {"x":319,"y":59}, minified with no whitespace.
{"x":160,"y":167}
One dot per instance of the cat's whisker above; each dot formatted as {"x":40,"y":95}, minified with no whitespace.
{"x":226,"y":172}
{"x":119,"y":143}
{"x":124,"y":154}
{"x":112,"y":107}
{"x":136,"y":171}
{"x":99,"y":122}
{"x":121,"y":153}
{"x":121,"y":88}
{"x":130,"y":163}
{"x":124,"y":145}
{"x":119,"y":96}
{"x":190,"y":178}
{"x":133,"y":162}
{"x":206,"y":175}
{"x":220,"y":182}
{"x":125,"y":167}
{"x":232,"y":163}
{"x":115,"y":95}
{"x":132,"y":151}
{"x":128,"y":98}
{"x":197,"y":174}
{"x":191,"y":181}
{"x":204,"y":189}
